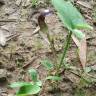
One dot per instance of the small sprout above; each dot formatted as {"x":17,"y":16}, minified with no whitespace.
{"x":33,"y":74}
{"x":34,"y":2}
{"x":28,"y":88}
{"x":47,"y":64}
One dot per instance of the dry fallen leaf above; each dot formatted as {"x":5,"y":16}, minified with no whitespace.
{"x":2,"y":38}
{"x":82,"y":46}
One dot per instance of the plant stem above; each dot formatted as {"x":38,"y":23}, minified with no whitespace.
{"x":65,"y":50}
{"x":52,"y":47}
{"x":51,"y":43}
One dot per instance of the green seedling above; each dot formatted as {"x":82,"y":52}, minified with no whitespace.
{"x":51,"y":77}
{"x":28,"y":88}
{"x":72,"y":20}
{"x":49,"y":66}
{"x":34,"y":2}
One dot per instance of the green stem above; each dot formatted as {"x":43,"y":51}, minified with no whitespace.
{"x":65,"y":50}
{"x":51,"y":43}
{"x":52,"y":47}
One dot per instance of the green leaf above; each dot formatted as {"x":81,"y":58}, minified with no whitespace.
{"x":55,"y":78}
{"x":28,"y":90}
{"x":70,"y":16}
{"x":78,"y":34}
{"x":47,"y":64}
{"x":33,"y":74}
{"x":83,"y":26}
{"x":19,"y":84}
{"x":93,"y":68}
{"x":39,"y":83}
{"x":34,"y":2}
{"x":87,"y":69}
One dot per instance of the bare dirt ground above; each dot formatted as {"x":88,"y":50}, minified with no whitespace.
{"x":25,"y":49}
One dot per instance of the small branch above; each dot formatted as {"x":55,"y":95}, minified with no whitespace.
{"x":84,"y":4}
{"x":36,"y":30}
{"x":12,"y":36}
{"x":8,"y":20}
{"x":28,"y":64}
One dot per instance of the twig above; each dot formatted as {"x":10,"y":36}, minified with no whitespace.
{"x":13,"y":20}
{"x":84,"y":4}
{"x":12,"y":36}
{"x":17,"y":52}
{"x":88,"y":17}
{"x":94,"y":45}
{"x":90,"y":38}
{"x":28,"y":64}
{"x":36,"y":30}
{"x":8,"y":20}
{"x":75,"y":74}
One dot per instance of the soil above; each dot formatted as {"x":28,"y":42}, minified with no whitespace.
{"x":24,"y":50}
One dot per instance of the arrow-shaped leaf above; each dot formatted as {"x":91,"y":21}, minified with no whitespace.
{"x":70,"y":16}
